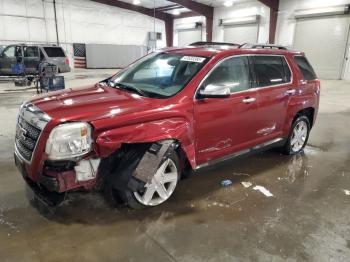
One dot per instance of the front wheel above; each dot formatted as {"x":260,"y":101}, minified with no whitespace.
{"x":298,"y":136}
{"x":159,"y":189}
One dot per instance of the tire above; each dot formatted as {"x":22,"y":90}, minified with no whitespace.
{"x":135,"y":199}
{"x":294,"y":145}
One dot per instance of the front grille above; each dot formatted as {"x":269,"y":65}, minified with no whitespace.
{"x":26,"y":138}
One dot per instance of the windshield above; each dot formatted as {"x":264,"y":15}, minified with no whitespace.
{"x":159,"y":75}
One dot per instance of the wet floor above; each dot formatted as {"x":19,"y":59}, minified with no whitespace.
{"x":306,"y":219}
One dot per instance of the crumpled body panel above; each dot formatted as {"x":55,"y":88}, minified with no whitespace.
{"x":174,"y":128}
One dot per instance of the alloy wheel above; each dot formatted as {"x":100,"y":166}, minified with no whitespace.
{"x":299,"y":136}
{"x":161,"y":186}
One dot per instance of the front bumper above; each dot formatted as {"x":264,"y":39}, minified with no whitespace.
{"x":45,"y":189}
{"x":50,"y":185}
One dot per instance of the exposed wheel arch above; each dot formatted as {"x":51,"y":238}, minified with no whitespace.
{"x":309,"y":112}
{"x":130,"y":168}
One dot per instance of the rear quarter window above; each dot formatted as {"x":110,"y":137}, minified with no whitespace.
{"x":54,"y":52}
{"x":305,"y":68}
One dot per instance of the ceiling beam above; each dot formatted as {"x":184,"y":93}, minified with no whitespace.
{"x":186,"y":14}
{"x":136,"y":8}
{"x":274,"y":6}
{"x":167,"y":18}
{"x":200,"y":9}
{"x":168,"y":7}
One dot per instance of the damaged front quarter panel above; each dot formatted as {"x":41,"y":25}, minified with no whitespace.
{"x":178,"y":129}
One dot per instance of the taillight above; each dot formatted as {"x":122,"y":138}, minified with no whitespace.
{"x":66,"y":61}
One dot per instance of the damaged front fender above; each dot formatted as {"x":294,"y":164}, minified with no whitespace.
{"x":178,"y":129}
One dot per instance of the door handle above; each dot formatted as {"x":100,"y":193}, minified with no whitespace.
{"x":248,"y":100}
{"x":291,"y":92}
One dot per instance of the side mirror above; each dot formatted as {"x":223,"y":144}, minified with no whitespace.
{"x":214,"y":91}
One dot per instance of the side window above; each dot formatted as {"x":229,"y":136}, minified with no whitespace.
{"x":9,"y":52}
{"x":305,"y":68}
{"x":31,"y":51}
{"x":233,"y":72}
{"x":271,"y":70}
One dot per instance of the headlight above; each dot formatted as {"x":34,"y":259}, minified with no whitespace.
{"x":68,"y":141}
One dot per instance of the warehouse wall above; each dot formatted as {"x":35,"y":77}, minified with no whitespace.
{"x":286,"y":22}
{"x":79,"y":21}
{"x":189,"y":20}
{"x":239,"y":10}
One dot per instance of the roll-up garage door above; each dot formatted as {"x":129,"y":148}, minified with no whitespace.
{"x":189,"y":36}
{"x":245,"y":33}
{"x":323,"y":39}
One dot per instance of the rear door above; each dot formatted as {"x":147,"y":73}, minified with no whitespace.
{"x":226,"y":125}
{"x":275,"y":88}
{"x":31,"y":59}
{"x":55,"y":55}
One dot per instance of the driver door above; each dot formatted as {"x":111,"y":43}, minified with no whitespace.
{"x":226,"y":125}
{"x":8,"y":58}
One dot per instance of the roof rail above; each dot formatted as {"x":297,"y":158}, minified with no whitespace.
{"x":247,"y":45}
{"x":213,"y":44}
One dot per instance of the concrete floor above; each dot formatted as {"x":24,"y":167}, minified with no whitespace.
{"x":307,"y":219}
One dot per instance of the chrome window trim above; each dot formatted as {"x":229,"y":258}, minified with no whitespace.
{"x":252,"y":89}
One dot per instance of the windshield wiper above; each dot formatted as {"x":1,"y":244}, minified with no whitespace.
{"x":131,"y":88}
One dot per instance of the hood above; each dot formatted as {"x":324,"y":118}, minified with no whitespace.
{"x":90,"y":103}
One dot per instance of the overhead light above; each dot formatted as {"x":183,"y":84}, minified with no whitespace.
{"x":176,"y":12}
{"x":228,"y":3}
{"x":136,"y":2}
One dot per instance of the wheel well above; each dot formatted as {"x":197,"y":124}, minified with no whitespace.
{"x":308,"y":112}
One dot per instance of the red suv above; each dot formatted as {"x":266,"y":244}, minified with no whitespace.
{"x":171,"y":111}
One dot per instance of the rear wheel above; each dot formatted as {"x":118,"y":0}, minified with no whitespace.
{"x":159,"y":189}
{"x":298,"y":136}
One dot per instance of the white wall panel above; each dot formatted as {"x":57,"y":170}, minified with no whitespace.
{"x":35,"y":8}
{"x":79,"y":21}
{"x":187,"y":37}
{"x":241,"y":33}
{"x":323,"y":39}
{"x":13,"y":7}
{"x":189,"y":20}
{"x":37,"y":30}
{"x":242,"y":10}
{"x":286,"y":23}
{"x":16,"y":28}
{"x":112,"y":56}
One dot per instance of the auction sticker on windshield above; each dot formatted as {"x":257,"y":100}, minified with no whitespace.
{"x":195,"y":59}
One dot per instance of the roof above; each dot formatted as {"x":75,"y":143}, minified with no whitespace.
{"x":230,"y":49}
